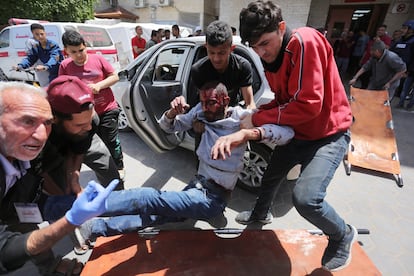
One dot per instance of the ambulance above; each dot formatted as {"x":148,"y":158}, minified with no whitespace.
{"x":13,"y":41}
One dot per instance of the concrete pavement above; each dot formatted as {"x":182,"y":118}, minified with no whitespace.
{"x":366,"y":199}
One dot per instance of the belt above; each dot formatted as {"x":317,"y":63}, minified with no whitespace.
{"x":213,"y":187}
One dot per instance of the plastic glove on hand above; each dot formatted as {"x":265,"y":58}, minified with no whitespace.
{"x":90,"y":203}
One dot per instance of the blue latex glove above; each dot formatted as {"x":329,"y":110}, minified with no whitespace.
{"x":90,"y":203}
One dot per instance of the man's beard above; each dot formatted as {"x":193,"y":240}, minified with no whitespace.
{"x":70,"y":136}
{"x":214,"y":116}
{"x":77,"y":137}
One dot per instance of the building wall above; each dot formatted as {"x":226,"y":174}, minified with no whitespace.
{"x":181,"y":12}
{"x":295,"y":12}
{"x":318,"y":13}
{"x":320,"y":8}
{"x":394,"y":20}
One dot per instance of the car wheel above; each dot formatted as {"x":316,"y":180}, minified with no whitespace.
{"x":123,"y":121}
{"x":255,"y":163}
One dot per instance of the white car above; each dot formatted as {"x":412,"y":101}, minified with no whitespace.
{"x":162,"y":73}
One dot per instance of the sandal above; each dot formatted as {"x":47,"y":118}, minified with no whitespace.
{"x":81,"y":246}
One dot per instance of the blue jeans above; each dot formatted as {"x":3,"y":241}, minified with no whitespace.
{"x":56,"y":207}
{"x":134,"y":209}
{"x":319,"y":160}
{"x":406,"y":88}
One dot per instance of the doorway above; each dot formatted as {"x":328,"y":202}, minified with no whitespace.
{"x":353,"y":18}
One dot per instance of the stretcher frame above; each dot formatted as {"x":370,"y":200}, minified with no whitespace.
{"x":373,"y":145}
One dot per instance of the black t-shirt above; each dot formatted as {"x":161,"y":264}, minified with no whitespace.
{"x":238,"y":74}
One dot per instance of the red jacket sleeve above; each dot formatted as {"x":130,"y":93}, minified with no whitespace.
{"x":309,"y":94}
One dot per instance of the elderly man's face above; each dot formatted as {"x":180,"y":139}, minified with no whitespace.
{"x":24,"y":125}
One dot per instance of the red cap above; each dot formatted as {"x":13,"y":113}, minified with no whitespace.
{"x":67,"y":94}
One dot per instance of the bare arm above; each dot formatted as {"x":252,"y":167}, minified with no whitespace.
{"x":43,"y":239}
{"x":89,"y":204}
{"x":178,"y":106}
{"x":357,"y":75}
{"x":105,"y":83}
{"x":247,"y":93}
{"x":135,"y":49}
{"x":138,"y":50}
{"x":73,"y":167}
{"x":49,"y":185}
{"x":225,"y":144}
{"x":396,"y":76}
{"x":268,"y":133}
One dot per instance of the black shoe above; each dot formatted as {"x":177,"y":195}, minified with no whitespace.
{"x":247,"y":218}
{"x":337,"y":254}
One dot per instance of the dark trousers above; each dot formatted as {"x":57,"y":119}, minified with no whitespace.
{"x":319,"y":160}
{"x":108,"y":131}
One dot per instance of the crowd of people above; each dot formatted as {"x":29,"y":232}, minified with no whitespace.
{"x":46,"y":136}
{"x":388,"y":65}
{"x":139,"y":44}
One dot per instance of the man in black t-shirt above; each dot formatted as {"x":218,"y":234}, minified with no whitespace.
{"x":221,"y":65}
{"x":73,"y":140}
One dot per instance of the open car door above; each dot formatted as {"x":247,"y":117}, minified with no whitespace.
{"x":155,"y":83}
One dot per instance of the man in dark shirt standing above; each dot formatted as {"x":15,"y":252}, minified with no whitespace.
{"x":386,"y":69}
{"x":221,"y":65}
{"x":73,"y":140}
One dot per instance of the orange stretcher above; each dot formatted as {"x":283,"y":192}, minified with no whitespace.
{"x":204,"y":252}
{"x":373,"y":145}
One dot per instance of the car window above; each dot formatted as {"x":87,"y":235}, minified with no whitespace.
{"x":169,"y":62}
{"x":5,"y":38}
{"x":149,"y":72}
{"x":201,"y":52}
{"x":94,"y":36}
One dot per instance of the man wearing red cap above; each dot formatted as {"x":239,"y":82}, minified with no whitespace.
{"x":99,"y":75}
{"x":73,"y":139}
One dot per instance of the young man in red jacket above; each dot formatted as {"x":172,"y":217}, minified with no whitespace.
{"x":310,"y":98}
